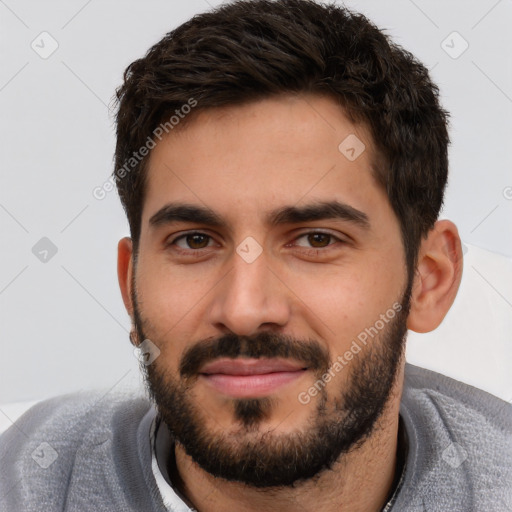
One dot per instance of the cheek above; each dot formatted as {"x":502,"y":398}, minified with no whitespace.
{"x":344,"y":308}
{"x":167,"y":291}
{"x":169,"y":300}
{"x":350,"y":299}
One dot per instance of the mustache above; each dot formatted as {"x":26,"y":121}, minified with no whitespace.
{"x":263,"y":345}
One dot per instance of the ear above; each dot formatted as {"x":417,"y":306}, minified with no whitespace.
{"x":124,"y":272}
{"x":437,"y":279}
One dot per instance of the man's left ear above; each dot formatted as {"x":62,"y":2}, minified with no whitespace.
{"x":437,"y":277}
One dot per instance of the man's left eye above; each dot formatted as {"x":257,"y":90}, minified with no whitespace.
{"x":317,"y":239}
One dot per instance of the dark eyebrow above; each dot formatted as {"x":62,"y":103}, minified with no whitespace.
{"x":318,"y":211}
{"x":180,"y":212}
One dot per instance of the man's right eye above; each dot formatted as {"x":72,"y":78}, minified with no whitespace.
{"x":190,"y":242}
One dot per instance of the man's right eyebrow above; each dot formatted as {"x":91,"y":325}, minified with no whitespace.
{"x":178,"y":212}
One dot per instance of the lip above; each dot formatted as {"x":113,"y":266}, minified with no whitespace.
{"x":250,"y":366}
{"x":250,"y":378}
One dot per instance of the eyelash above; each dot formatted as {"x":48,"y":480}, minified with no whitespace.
{"x":309,"y":251}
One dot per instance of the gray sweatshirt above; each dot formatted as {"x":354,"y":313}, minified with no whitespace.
{"x":91,"y":452}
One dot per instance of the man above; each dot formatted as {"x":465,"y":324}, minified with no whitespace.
{"x":282,"y":166}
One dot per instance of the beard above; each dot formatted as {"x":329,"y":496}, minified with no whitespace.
{"x":265,"y":458}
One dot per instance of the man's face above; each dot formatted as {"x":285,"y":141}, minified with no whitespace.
{"x":252,"y":312}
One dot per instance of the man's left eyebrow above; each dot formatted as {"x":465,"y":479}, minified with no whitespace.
{"x":325,"y":210}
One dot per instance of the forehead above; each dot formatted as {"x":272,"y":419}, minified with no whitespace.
{"x":245,"y":161}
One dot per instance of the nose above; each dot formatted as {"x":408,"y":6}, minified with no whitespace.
{"x":249,"y":298}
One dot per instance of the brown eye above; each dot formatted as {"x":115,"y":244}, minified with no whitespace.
{"x":197,"y":241}
{"x":319,"y":239}
{"x":316,"y":240}
{"x":192,"y":241}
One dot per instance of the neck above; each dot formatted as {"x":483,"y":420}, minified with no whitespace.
{"x":360,"y":481}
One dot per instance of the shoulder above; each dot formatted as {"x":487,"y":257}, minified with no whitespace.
{"x":460,"y":441}
{"x":454,"y":402}
{"x":52,"y":443}
{"x":74,"y":418}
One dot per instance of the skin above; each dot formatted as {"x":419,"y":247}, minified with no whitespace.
{"x":242,"y":162}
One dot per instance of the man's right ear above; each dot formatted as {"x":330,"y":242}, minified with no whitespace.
{"x":124,"y":272}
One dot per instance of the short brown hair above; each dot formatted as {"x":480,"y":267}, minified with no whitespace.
{"x":250,"y":50}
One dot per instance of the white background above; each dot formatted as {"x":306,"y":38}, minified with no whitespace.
{"x":63,"y":326}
